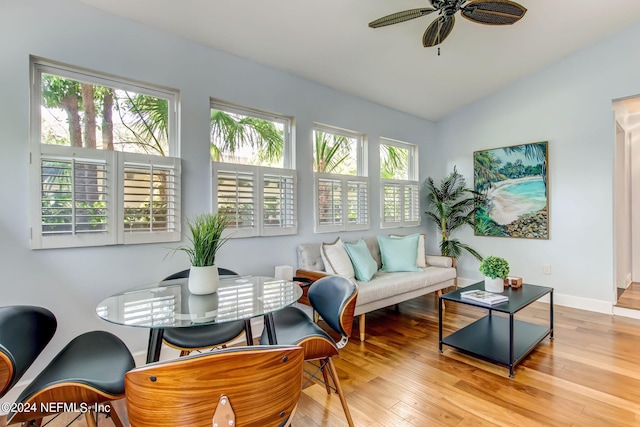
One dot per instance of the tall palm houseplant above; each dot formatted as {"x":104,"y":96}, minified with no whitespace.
{"x":451,"y":206}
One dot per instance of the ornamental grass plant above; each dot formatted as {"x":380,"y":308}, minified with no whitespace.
{"x":206,"y":238}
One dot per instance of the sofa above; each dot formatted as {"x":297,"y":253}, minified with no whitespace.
{"x":430,"y":273}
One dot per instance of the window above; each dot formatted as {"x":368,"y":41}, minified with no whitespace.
{"x":100,"y":167}
{"x":341,"y":183}
{"x":399,"y":184}
{"x":254,"y":181}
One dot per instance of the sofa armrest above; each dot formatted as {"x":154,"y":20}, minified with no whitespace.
{"x":312,"y":275}
{"x":441,"y":261}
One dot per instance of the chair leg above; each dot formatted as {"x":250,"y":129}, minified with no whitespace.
{"x":88,"y":416}
{"x":361,"y":326}
{"x":113,"y":414}
{"x":343,"y":400}
{"x":323,"y":368}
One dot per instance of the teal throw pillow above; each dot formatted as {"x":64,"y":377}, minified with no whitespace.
{"x":399,"y":253}
{"x":363,"y":263}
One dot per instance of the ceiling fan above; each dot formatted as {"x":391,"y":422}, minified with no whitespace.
{"x":489,"y":12}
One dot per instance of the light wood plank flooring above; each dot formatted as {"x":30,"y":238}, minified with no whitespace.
{"x":588,"y":376}
{"x":630,"y":298}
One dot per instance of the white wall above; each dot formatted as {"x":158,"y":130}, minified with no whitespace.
{"x":568,"y":104}
{"x":71,"y":282}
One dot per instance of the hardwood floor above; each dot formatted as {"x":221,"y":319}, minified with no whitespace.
{"x":630,"y":298}
{"x":588,"y":376}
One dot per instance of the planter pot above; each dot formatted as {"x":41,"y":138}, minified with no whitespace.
{"x":203,"y":280}
{"x":493,"y":285}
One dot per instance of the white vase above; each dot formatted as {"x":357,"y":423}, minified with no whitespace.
{"x":493,"y":285}
{"x":203,"y":280}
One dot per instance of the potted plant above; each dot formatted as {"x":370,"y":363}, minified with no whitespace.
{"x":452,"y":206}
{"x":206,"y":238}
{"x":495,"y":270}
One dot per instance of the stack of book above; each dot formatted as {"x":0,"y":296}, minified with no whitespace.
{"x":484,"y":297}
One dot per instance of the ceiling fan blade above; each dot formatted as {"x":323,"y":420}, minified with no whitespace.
{"x":493,"y":12}
{"x":398,"y":17}
{"x":438,"y":30}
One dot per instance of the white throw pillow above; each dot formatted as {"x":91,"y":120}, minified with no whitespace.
{"x":336,"y":259}
{"x":421,"y":260}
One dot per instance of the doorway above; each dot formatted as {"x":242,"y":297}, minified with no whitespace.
{"x":627,"y":135}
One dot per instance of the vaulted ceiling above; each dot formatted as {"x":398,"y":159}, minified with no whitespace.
{"x":329,"y":42}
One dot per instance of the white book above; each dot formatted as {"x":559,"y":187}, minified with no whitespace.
{"x":484,"y":297}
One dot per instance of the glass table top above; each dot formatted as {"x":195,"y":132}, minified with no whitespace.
{"x":169,"y":303}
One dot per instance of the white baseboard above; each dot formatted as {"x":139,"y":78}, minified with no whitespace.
{"x":626,"y":312}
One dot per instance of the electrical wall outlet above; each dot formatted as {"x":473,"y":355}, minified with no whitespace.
{"x":546,"y":268}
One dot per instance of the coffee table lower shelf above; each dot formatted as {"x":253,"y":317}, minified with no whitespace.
{"x":488,"y":338}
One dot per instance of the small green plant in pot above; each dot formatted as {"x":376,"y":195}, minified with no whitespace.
{"x":206,"y":239}
{"x":494,"y":269}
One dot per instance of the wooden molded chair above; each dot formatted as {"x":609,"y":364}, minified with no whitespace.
{"x":253,"y":386}
{"x":87,"y":373}
{"x":334,"y":299}
{"x":24,"y":332}
{"x":207,"y":336}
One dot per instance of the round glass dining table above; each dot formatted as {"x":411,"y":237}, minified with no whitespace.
{"x":169,"y":304}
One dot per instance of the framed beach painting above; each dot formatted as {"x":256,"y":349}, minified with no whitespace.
{"x":515,"y":184}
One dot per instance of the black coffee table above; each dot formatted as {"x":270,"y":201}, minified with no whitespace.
{"x":499,"y":339}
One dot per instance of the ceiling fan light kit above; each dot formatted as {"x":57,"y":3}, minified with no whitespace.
{"x":488,"y":12}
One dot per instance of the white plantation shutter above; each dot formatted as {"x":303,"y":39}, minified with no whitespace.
{"x":279,"y":213}
{"x":75,"y":189}
{"x":330,"y":213}
{"x":234,"y":195}
{"x":357,"y":204}
{"x":151,"y":200}
{"x":73,"y":196}
{"x":89,"y":197}
{"x":411,"y":204}
{"x":392,"y":204}
{"x":400,"y":203}
{"x":260,"y":201}
{"x":341,"y":203}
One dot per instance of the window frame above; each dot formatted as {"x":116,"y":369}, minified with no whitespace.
{"x":411,"y":184}
{"x":114,"y":161}
{"x":258,"y":173}
{"x":360,"y":178}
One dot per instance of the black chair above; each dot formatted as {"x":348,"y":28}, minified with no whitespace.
{"x":334,"y":299}
{"x":239,"y":386}
{"x":86,"y":376}
{"x":207,"y":336}
{"x":24,"y":332}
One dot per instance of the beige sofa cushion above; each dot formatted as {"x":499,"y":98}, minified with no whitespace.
{"x":336,"y":260}
{"x":385,"y":285}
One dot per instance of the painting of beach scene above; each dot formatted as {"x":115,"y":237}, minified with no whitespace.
{"x":513,"y":182}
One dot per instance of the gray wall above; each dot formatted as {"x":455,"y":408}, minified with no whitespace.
{"x":71,"y":282}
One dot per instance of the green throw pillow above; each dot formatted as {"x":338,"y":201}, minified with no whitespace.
{"x":363,"y":263}
{"x":399,"y":253}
